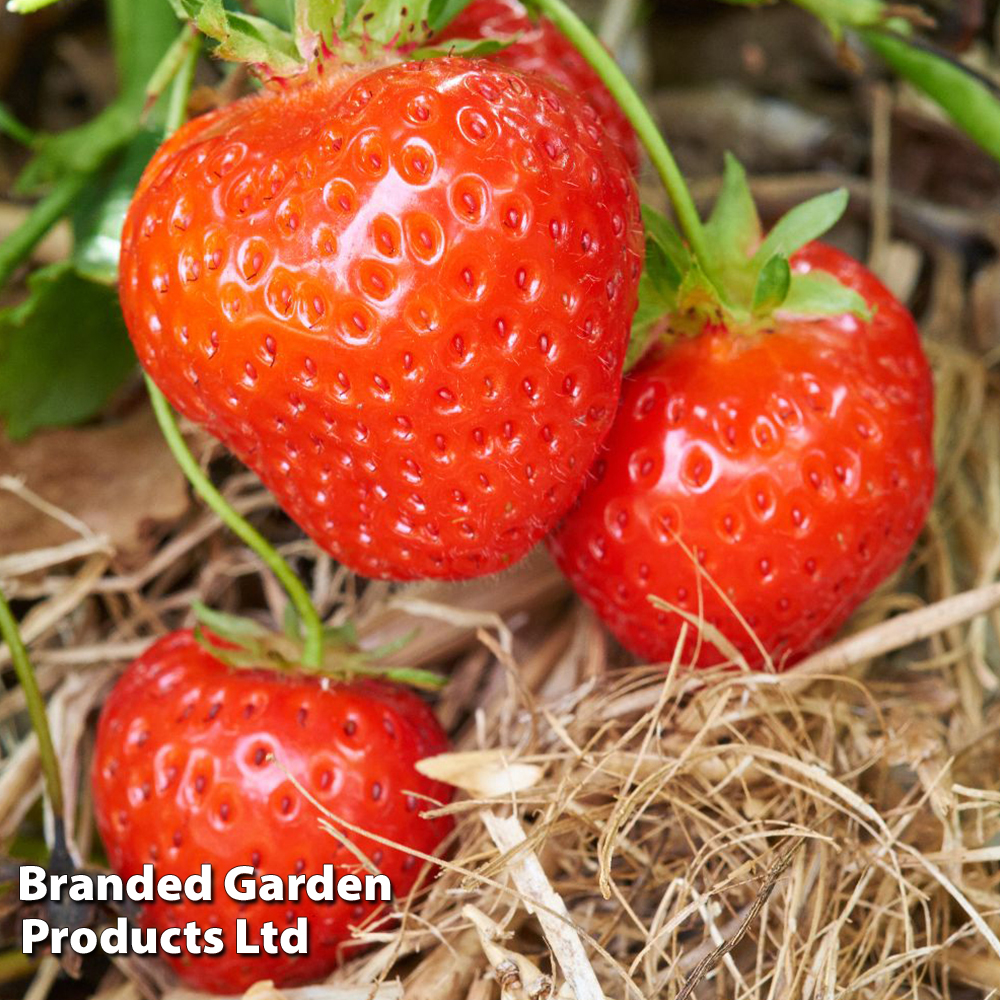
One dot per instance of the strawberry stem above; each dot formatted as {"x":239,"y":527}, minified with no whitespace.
{"x":36,"y":706}
{"x":312,"y":625}
{"x":635,"y":110}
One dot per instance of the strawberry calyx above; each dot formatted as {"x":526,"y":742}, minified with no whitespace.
{"x":747,"y":282}
{"x":345,"y":32}
{"x":244,"y":644}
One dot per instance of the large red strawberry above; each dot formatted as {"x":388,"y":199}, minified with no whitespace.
{"x":541,"y":48}
{"x":768,"y":466}
{"x":197,"y":762}
{"x":402,"y":296}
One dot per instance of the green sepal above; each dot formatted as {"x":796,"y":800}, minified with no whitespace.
{"x":244,"y":644}
{"x":346,"y":25}
{"x":440,"y":13}
{"x":291,"y":623}
{"x":821,"y":294}
{"x":752,"y":277}
{"x":243,"y":37}
{"x":346,"y":634}
{"x":733,"y":230}
{"x":470,"y":48}
{"x":663,"y":233}
{"x":388,"y":649}
{"x":772,"y":286}
{"x":667,"y":261}
{"x":802,"y":225}
{"x":232,"y":628}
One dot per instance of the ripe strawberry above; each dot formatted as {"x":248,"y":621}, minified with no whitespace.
{"x":402,"y":296}
{"x":183,"y":776}
{"x":794,"y":465}
{"x":542,"y":48}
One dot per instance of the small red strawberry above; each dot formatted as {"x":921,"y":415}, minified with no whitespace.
{"x":769,"y":465}
{"x":401,"y":295}
{"x":197,"y":762}
{"x":541,"y":48}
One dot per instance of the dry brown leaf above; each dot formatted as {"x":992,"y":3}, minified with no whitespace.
{"x":119,"y":480}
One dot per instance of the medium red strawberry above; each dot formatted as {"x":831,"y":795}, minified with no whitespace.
{"x":541,"y":48}
{"x":402,"y":296}
{"x":772,"y":459}
{"x":183,"y":775}
{"x":793,"y":465}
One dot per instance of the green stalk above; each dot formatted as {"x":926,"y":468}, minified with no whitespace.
{"x":40,"y":220}
{"x":312,"y":625}
{"x":635,"y":110}
{"x":36,"y":706}
{"x":181,"y":88}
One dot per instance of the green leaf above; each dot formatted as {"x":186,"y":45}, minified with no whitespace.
{"x":772,"y":286}
{"x":142,"y":35}
{"x":63,"y":352}
{"x":100,"y":212}
{"x":970,"y":100}
{"x":801,"y":225}
{"x":819,"y":293}
{"x":78,"y":150}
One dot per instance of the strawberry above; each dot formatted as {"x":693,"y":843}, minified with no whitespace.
{"x":401,"y":295}
{"x":771,"y":461}
{"x":541,"y":48}
{"x":197,"y":762}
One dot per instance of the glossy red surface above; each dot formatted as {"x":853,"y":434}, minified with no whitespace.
{"x":794,"y":467}
{"x":182,"y":777}
{"x":542,"y":48}
{"x":402,"y":297}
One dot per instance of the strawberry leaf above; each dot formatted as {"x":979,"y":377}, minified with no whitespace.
{"x":772,"y":286}
{"x":821,"y":294}
{"x":802,"y":225}
{"x":99,"y":213}
{"x":63,"y":352}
